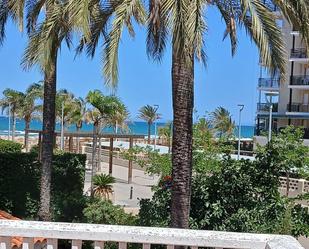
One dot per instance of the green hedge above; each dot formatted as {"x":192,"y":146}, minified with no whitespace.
{"x":9,"y":146}
{"x":20,"y":185}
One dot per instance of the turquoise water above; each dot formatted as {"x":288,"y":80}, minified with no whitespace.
{"x":135,"y":127}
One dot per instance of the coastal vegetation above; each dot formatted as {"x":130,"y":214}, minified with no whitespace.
{"x":183,"y":23}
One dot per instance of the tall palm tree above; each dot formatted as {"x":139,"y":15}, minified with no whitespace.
{"x":78,"y":116}
{"x":221,"y":121}
{"x":12,"y":102}
{"x":149,"y":114}
{"x":65,"y":100}
{"x":107,"y":106}
{"x":184,"y":21}
{"x":118,"y":118}
{"x":45,"y":40}
{"x":30,"y":107}
{"x":166,"y":133}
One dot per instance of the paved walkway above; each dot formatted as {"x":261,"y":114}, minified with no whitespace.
{"x":141,"y":184}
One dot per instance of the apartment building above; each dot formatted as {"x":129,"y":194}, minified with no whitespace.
{"x":288,"y":97}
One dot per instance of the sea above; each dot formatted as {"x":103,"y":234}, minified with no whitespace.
{"x":135,"y":127}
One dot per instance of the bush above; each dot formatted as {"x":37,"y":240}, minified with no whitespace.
{"x":20,"y":185}
{"x":100,"y":211}
{"x":9,"y":146}
{"x":242,"y":196}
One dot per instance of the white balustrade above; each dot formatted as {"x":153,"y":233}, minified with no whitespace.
{"x":146,"y":236}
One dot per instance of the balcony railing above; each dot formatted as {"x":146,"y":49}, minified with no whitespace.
{"x":145,"y":236}
{"x":265,"y":107}
{"x":299,"y":53}
{"x":269,"y":82}
{"x":298,"y":107}
{"x":300,"y":80}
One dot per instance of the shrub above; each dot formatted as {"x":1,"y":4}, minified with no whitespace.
{"x":20,"y":185}
{"x":100,"y":211}
{"x":9,"y":146}
{"x":242,"y":196}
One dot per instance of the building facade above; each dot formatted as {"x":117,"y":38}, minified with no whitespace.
{"x":289,"y":97}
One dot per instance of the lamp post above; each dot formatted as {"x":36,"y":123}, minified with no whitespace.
{"x":62,"y":127}
{"x":270,"y":95}
{"x":155,"y":123}
{"x":241,"y":107}
{"x":9,"y":130}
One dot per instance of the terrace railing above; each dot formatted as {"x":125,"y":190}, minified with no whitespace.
{"x":265,"y":107}
{"x":299,"y":53}
{"x":298,"y":107}
{"x":300,"y":80}
{"x":144,"y":236}
{"x":269,"y":82}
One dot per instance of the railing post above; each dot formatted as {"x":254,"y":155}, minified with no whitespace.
{"x":28,"y":243}
{"x":52,"y":244}
{"x":5,"y":243}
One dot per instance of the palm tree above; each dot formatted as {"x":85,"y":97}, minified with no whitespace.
{"x":12,"y":102}
{"x":65,"y":100}
{"x":106,"y":106}
{"x":119,"y":118}
{"x":30,"y":107}
{"x":184,"y":21}
{"x":45,"y":39}
{"x":149,"y":114}
{"x":103,"y":185}
{"x":221,"y":121}
{"x":78,"y":116}
{"x":166,"y":133}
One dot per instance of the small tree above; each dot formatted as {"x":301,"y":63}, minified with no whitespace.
{"x":288,"y":152}
{"x":103,"y":185}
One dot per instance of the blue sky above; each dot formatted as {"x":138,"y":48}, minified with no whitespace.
{"x":225,"y":81}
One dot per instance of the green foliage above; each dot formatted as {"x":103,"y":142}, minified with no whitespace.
{"x":103,"y":185}
{"x":289,"y":151}
{"x":20,"y":180}
{"x":9,"y":146}
{"x":240,"y":196}
{"x":67,"y":186}
{"x":101,"y":211}
{"x":19,"y":183}
{"x":150,"y":159}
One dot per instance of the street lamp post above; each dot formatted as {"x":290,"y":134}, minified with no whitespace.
{"x":9,"y":130}
{"x":155,"y":123}
{"x":271,"y":107}
{"x":62,"y":127}
{"x":270,"y":119}
{"x":241,"y":107}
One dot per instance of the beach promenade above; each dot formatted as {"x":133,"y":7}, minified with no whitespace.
{"x":142,"y":184}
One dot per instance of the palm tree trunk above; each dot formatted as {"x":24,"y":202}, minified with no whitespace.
{"x":27,"y":127}
{"x":14,"y":125}
{"x":48,"y":137}
{"x":183,"y":102}
{"x":149,"y":132}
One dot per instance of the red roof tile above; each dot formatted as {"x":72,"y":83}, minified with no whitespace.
{"x":17,"y":242}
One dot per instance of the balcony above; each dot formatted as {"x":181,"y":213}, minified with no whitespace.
{"x":145,"y":236}
{"x":269,"y":83}
{"x":265,"y":107}
{"x":299,"y":55}
{"x":298,"y":107}
{"x":300,"y":81}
